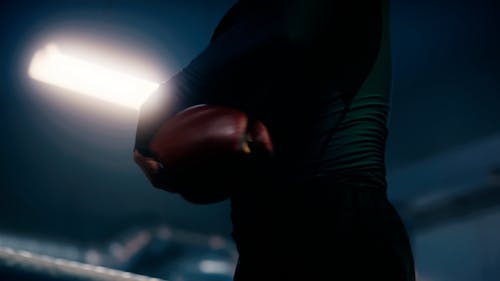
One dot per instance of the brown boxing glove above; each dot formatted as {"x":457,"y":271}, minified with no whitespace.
{"x":206,"y":151}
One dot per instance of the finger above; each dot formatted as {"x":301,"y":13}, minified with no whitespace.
{"x":149,"y":166}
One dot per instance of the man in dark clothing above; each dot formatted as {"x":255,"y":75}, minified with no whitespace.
{"x":317,"y":73}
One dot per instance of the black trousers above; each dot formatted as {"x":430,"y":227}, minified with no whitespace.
{"x":335,"y":231}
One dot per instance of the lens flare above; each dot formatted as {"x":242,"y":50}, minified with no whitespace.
{"x":51,"y":66}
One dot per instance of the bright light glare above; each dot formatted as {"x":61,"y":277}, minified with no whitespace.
{"x":216,"y":267}
{"x":51,"y":66}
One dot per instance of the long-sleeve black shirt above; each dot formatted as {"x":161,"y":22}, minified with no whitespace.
{"x":315,"y":72}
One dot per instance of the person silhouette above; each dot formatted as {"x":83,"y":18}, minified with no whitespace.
{"x":317,"y":73}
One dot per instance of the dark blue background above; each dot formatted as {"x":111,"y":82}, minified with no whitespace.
{"x":66,"y":169}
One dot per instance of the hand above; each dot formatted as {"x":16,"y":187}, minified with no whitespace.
{"x":150,"y":167}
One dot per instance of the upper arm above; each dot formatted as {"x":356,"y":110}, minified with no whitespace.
{"x":301,"y":41}
{"x":215,"y":75}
